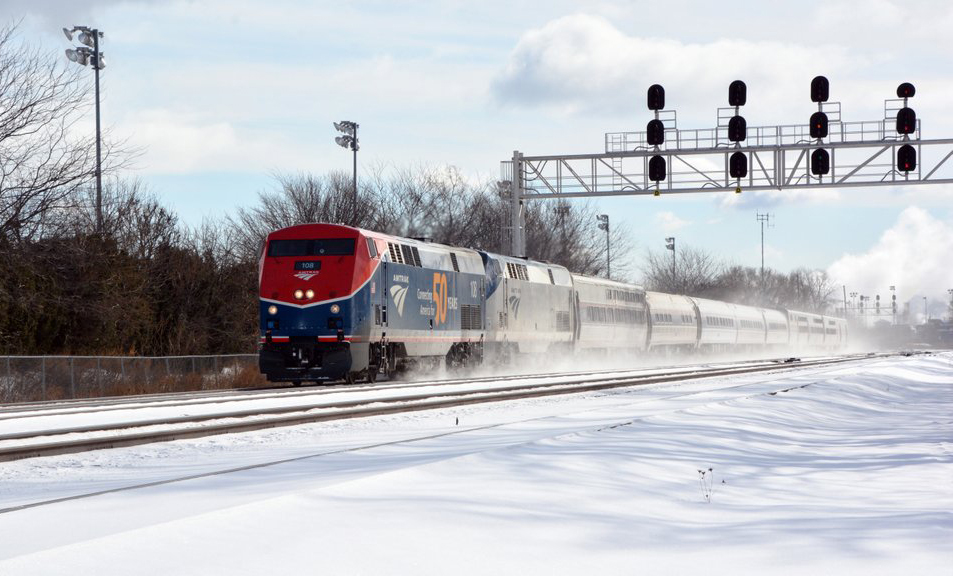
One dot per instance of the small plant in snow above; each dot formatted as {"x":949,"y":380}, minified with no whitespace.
{"x":706,"y":479}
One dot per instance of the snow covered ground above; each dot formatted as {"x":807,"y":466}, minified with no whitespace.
{"x":849,"y":471}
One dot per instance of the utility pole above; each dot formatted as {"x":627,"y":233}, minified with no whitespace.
{"x":763,"y":219}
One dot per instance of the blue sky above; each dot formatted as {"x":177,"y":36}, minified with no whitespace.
{"x":222,"y":94}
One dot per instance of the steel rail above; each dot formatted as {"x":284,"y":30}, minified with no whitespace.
{"x":195,"y":397}
{"x":291,"y":416}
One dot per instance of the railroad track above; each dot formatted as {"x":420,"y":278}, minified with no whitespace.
{"x":167,"y":399}
{"x":319,"y":405}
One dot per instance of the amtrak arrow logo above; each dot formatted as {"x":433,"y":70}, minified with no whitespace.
{"x":399,"y":294}
{"x":306,"y":275}
{"x":515,"y":305}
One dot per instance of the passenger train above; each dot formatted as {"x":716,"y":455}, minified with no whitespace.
{"x":342,"y":303}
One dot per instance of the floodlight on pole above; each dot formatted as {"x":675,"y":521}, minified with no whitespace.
{"x":604,"y":225}
{"x":349,"y":140}
{"x":85,"y":55}
{"x":670,"y":245}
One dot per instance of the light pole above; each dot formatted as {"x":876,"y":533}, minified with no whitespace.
{"x":853,"y":300}
{"x":561,"y":211}
{"x":926,"y":318}
{"x":349,"y":140}
{"x":670,"y":245}
{"x":604,"y":225}
{"x":950,"y":292}
{"x":83,"y":55}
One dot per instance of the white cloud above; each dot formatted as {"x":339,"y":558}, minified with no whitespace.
{"x":583,"y":63}
{"x":669,"y":222}
{"x":913,"y":255}
{"x":181,"y":144}
{"x":772,"y":198}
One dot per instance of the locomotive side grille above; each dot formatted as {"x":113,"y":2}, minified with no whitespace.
{"x":395,"y":254}
{"x":408,"y":255}
{"x":453,"y":260}
{"x":416,"y":254}
{"x":562,"y":322}
{"x":471,"y":317}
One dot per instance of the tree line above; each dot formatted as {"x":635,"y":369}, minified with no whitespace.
{"x":147,"y":284}
{"x":695,"y":272}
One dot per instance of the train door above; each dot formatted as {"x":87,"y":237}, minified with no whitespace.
{"x":698,"y":323}
{"x":380,"y":303}
{"x":649,"y":324}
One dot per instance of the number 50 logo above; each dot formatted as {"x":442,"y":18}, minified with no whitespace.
{"x":440,"y":298}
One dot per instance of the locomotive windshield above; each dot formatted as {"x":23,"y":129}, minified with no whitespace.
{"x":326,"y":247}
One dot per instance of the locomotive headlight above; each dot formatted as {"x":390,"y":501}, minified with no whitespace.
{"x":309,"y":294}
{"x":335,"y":308}
{"x":299,"y":294}
{"x":272,"y":309}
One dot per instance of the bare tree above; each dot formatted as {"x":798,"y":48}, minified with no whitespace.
{"x":567,"y":234}
{"x":41,"y":162}
{"x":695,"y":272}
{"x":302,"y":198}
{"x":809,"y":290}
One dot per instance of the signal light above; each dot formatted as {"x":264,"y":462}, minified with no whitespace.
{"x":907,"y":158}
{"x":878,"y":303}
{"x":820,"y":89}
{"x":820,"y":162}
{"x":655,"y":132}
{"x":737,"y":93}
{"x":737,"y":129}
{"x":656,"y":97}
{"x":819,"y":125}
{"x":906,"y":90}
{"x":906,"y":121}
{"x":738,"y":165}
{"x":657,"y":169}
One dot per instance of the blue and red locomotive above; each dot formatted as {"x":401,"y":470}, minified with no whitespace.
{"x":341,"y":303}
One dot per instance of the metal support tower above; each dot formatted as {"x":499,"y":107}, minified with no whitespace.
{"x":862,"y":154}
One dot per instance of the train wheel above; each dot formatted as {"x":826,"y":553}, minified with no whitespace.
{"x":349,"y":378}
{"x":371,"y":374}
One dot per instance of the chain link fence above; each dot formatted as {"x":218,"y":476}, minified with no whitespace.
{"x":38,"y":378}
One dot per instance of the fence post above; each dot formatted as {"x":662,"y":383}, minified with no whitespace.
{"x":43,"y":376}
{"x":99,"y":378}
{"x":72,"y":380}
{"x":122,"y":368}
{"x":216,"y":372}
